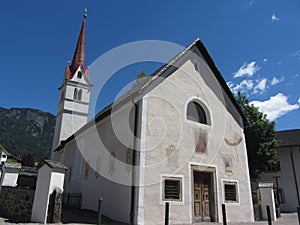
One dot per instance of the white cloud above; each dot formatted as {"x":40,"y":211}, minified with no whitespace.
{"x":244,"y":86}
{"x":247,"y":70}
{"x":265,"y":59}
{"x":251,"y":2}
{"x":274,"y":18}
{"x":276,"y":106}
{"x":261,"y":86}
{"x":296,"y":54}
{"x":230,"y":84}
{"x":274,"y":81}
{"x":299,"y":100}
{"x":253,"y":86}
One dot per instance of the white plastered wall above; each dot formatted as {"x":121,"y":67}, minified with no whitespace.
{"x":167,"y":125}
{"x":103,"y":172}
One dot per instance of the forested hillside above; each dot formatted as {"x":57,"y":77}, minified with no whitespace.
{"x":26,"y":131}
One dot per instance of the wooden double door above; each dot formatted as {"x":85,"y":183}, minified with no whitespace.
{"x":203,"y":197}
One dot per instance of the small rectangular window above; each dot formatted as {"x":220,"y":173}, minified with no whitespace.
{"x":231,"y":194}
{"x":172,"y":189}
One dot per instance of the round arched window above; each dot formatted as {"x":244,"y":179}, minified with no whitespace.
{"x":196,"y":113}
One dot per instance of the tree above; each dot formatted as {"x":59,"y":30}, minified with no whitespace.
{"x":141,"y":76}
{"x":260,"y":138}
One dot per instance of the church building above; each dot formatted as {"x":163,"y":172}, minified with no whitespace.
{"x":176,"y":136}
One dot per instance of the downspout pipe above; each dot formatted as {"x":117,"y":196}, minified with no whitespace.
{"x":135,"y":157}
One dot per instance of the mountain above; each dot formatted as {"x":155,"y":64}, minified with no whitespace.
{"x":26,"y":131}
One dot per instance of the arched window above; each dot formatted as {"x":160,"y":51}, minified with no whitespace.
{"x":79,"y":95}
{"x":79,"y":75}
{"x":196,"y":113}
{"x":75,"y":96}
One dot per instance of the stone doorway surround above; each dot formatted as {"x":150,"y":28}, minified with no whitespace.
{"x":210,"y":171}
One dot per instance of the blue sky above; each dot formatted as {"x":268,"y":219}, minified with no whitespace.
{"x":254,"y":43}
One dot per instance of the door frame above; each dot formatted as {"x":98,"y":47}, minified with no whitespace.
{"x":212,"y":170}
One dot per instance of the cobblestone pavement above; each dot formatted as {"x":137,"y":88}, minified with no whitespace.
{"x":88,"y":217}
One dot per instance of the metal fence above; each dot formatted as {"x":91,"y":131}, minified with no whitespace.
{"x":72,"y":200}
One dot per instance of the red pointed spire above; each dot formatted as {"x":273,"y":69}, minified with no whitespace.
{"x":79,"y":54}
{"x":68,"y":73}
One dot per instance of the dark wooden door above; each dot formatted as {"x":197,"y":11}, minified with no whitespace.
{"x":202,"y":196}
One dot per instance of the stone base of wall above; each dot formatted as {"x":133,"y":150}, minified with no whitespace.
{"x":16,"y":203}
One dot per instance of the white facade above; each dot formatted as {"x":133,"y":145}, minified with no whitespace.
{"x":94,"y":167}
{"x":174,"y":94}
{"x":206,"y":159}
{"x":49,"y":179}
{"x":266,"y":198}
{"x":73,"y":109}
{"x":289,"y":156}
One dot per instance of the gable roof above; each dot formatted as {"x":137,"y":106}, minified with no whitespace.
{"x":168,"y":68}
{"x":11,"y":157}
{"x":148,"y":83}
{"x":53,"y":164}
{"x":288,"y":138}
{"x":2,"y":149}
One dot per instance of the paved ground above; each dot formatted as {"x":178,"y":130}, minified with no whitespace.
{"x":70,"y":216}
{"x":286,"y":219}
{"x":73,"y":216}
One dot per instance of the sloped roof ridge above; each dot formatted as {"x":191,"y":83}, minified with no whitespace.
{"x":163,"y":68}
{"x":140,"y":87}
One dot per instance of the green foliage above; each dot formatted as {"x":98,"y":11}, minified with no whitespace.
{"x":141,"y":76}
{"x":260,"y":138}
{"x":26,"y":131}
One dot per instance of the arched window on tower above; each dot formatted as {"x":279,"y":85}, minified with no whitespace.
{"x":195,"y":112}
{"x":75,"y":96}
{"x":79,"y":95}
{"x":79,"y":75}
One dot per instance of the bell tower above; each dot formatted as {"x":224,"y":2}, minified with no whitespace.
{"x":74,"y":97}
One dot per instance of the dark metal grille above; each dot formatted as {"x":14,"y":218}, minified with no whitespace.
{"x":230,"y":193}
{"x":172,"y":189}
{"x":72,"y":200}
